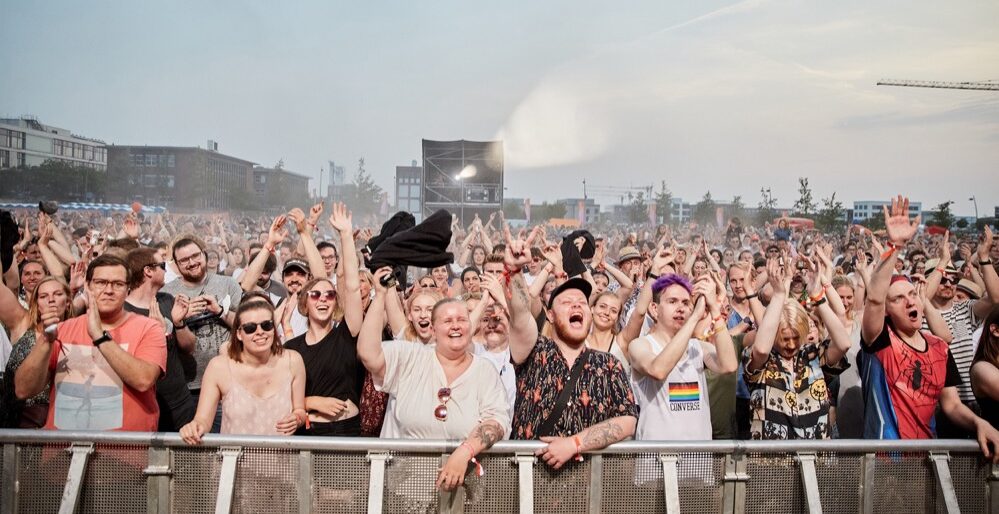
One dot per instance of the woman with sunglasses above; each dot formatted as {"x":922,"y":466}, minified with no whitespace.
{"x":260,"y":385}
{"x":441,"y":391}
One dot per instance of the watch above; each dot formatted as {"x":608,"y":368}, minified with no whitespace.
{"x":103,"y":339}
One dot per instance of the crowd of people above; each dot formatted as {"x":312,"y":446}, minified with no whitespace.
{"x":223,"y":324}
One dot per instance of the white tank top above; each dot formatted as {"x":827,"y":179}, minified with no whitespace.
{"x":676,"y":408}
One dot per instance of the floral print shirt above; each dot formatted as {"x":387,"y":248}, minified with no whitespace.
{"x":601,"y":393}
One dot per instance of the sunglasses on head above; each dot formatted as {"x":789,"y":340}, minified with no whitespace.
{"x":443,"y":396}
{"x":316,"y":295}
{"x":251,"y":327}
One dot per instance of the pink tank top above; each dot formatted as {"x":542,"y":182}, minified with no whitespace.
{"x":245,"y":413}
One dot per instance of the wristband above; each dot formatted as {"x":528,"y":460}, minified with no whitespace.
{"x":478,"y":467}
{"x":579,"y":448}
{"x":269,"y":248}
{"x":751,"y":296}
{"x":985,"y":263}
{"x":653,"y":276}
{"x":818,"y":302}
{"x":888,"y":253}
{"x":821,"y":295}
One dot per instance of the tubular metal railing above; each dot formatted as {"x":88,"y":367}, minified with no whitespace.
{"x":109,"y":472}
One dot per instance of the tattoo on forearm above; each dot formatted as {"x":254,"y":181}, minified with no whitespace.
{"x":602,"y":434}
{"x":520,"y":291}
{"x":488,"y":433}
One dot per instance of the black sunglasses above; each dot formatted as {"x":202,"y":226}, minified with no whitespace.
{"x":251,"y":327}
{"x":160,"y":265}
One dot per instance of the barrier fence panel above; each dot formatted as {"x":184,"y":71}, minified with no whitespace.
{"x":135,"y":473}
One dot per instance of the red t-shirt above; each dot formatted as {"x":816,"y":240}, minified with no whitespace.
{"x":87,"y":394}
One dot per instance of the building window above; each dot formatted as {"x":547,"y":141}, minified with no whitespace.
{"x":170,"y":162}
{"x":20,"y":158}
{"x":151,"y":160}
{"x":4,"y":158}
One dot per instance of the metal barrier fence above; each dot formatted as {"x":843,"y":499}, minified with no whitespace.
{"x":108,"y":473}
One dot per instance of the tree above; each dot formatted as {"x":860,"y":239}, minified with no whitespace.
{"x":830,"y":217}
{"x":738,"y":209}
{"x":962,"y":223}
{"x":54,"y":180}
{"x":664,"y":203}
{"x":547,"y":211}
{"x":767,"y":206}
{"x":513,"y":210}
{"x":942,"y":217}
{"x":704,"y":211}
{"x":638,"y":211}
{"x":875,"y":222}
{"x":365,"y":197}
{"x":805,"y":206}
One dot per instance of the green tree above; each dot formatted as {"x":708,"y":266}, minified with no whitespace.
{"x":664,"y":203}
{"x":53,"y":180}
{"x":767,"y":207}
{"x":738,"y":209}
{"x":547,"y":211}
{"x":962,"y":223}
{"x":830,"y":216}
{"x":513,"y":210}
{"x":704,"y":211}
{"x":365,"y":197}
{"x":942,"y":216}
{"x":638,"y":211}
{"x":875,"y":222}
{"x":805,"y":206}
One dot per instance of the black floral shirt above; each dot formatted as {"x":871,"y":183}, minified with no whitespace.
{"x":602,"y":391}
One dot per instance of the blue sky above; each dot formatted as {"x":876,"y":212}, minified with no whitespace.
{"x":719,"y":96}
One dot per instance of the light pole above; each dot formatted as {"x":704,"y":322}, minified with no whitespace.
{"x":975,"y":201}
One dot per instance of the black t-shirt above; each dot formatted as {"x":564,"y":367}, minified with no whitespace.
{"x":172,"y":386}
{"x":332,"y":368}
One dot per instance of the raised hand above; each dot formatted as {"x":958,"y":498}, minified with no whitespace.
{"x":897,"y":224}
{"x":377,"y":282}
{"x":518,"y":252}
{"x":315,"y":212}
{"x":986,"y":245}
{"x":342,"y":220}
{"x":775,"y":276}
{"x":298,"y":217}
{"x":77,"y":275}
{"x":277,"y":233}
{"x":131,"y":226}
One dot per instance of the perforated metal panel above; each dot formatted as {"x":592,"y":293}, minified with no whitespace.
{"x":970,"y":474}
{"x":42,"y":474}
{"x":339,"y":482}
{"x":410,"y":483}
{"x":838,"y":476}
{"x":904,"y":483}
{"x":495,"y":492}
{"x":114,"y":482}
{"x":564,"y":491}
{"x":628,"y":488}
{"x":195,"y":480}
{"x":266,"y":481}
{"x":774,"y":485}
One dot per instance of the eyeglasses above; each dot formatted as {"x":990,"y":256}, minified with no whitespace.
{"x":160,"y":265}
{"x":949,"y":281}
{"x":315,"y":295}
{"x":117,"y":285}
{"x":183,"y":261}
{"x":251,"y":327}
{"x":443,"y":396}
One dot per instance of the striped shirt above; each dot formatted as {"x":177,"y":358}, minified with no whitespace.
{"x":962,"y":322}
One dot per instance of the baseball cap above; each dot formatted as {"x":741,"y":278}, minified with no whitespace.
{"x":295,"y":263}
{"x":573,"y":283}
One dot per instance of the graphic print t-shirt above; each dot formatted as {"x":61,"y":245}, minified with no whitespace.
{"x":87,"y":394}
{"x":902,"y":385}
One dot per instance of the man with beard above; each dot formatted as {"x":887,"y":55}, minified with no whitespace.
{"x":103,"y":365}
{"x":962,"y":317}
{"x":211,"y":299}
{"x":573,"y":398}
{"x":907,"y":372}
{"x":146,"y":274}
{"x":257,"y":275}
{"x":668,"y":364}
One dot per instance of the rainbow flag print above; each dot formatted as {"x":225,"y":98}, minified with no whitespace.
{"x":684,"y":392}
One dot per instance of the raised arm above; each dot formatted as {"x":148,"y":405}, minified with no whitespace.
{"x":353,"y":311}
{"x":658,"y":366}
{"x":396,"y":312}
{"x":307,"y":244}
{"x":523,"y":328}
{"x":769,"y":324}
{"x":900,"y":231}
{"x":983,"y":305}
{"x":275,"y":236}
{"x":840,"y":340}
{"x":369,"y":340}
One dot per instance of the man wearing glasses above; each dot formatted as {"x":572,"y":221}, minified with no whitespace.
{"x":962,"y":317}
{"x":211,"y":299}
{"x":103,"y":365}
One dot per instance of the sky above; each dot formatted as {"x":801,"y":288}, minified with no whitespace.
{"x":708,"y":95}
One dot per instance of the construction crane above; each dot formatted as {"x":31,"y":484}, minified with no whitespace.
{"x":981,"y":86}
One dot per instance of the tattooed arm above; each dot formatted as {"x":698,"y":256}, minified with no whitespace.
{"x":607,"y":432}
{"x":483,"y":436}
